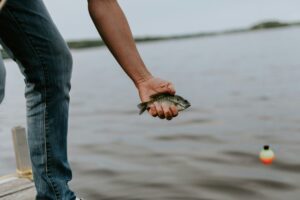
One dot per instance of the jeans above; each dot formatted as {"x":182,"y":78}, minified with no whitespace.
{"x":31,"y":38}
{"x":2,"y":79}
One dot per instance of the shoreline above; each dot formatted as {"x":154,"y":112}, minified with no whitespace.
{"x":90,"y":43}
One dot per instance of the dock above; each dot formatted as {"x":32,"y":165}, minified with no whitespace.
{"x":19,"y":186}
{"x":13,"y":187}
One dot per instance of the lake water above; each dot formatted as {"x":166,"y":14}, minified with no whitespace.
{"x":245,"y":93}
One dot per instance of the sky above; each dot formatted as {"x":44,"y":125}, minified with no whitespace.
{"x":167,"y":17}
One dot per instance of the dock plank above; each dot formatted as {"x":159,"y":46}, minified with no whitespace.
{"x":13,"y":188}
{"x":22,"y":195}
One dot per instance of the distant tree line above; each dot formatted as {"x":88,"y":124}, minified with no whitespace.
{"x":81,"y":44}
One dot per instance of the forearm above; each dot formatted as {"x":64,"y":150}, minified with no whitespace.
{"x":113,"y":27}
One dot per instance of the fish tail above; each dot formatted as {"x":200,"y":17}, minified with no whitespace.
{"x":142,"y":107}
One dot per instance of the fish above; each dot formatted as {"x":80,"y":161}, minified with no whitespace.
{"x":170,"y":99}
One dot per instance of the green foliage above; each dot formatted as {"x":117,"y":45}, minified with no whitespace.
{"x":85,"y":44}
{"x":269,"y":24}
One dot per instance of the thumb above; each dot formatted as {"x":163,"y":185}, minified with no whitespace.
{"x":167,"y":88}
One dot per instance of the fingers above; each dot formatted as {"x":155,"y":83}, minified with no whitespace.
{"x":152,"y":110}
{"x":167,"y":112}
{"x":163,"y":110}
{"x":159,"y":109}
{"x":174,"y":110}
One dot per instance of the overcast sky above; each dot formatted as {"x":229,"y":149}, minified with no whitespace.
{"x":163,"y":17}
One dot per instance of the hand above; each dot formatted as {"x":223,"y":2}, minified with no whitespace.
{"x":154,"y":86}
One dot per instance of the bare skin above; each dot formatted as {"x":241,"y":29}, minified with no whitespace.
{"x":114,"y":29}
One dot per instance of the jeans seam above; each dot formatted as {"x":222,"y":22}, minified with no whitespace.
{"x":45,"y":72}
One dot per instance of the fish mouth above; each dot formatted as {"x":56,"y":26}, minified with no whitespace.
{"x":187,"y":104}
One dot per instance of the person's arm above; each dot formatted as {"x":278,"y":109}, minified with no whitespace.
{"x":113,"y":27}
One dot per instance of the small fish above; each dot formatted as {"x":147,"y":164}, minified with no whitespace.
{"x":176,"y":100}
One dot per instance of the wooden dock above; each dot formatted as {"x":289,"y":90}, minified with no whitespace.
{"x":14,"y":188}
{"x":19,"y":186}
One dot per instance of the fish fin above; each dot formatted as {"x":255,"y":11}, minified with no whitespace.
{"x":142,"y":107}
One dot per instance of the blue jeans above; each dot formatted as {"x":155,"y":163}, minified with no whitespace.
{"x":2,"y":79}
{"x":30,"y":36}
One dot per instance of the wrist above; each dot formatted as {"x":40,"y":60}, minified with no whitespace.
{"x":142,"y":79}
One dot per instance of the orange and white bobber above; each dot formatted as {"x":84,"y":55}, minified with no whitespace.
{"x":266,"y":155}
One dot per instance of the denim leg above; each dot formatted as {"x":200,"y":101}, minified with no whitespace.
{"x":2,"y":79}
{"x":44,"y":58}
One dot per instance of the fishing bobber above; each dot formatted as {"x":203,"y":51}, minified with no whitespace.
{"x":267,"y":155}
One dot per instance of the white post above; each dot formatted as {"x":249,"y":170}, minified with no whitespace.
{"x":23,"y":162}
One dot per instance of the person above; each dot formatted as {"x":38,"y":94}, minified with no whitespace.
{"x":30,"y":37}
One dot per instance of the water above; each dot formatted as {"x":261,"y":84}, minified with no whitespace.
{"x":244,"y":91}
